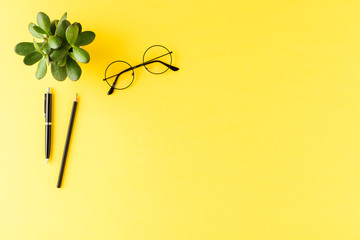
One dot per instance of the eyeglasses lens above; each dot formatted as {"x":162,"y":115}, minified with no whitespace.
{"x":158,"y":59}
{"x":120,"y":72}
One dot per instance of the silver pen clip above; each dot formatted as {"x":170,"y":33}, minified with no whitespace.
{"x":45,"y":97}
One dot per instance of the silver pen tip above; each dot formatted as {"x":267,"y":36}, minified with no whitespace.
{"x":48,"y":90}
{"x":47,"y":160}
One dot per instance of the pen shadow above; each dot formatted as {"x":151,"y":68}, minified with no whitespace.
{"x":52,"y":127}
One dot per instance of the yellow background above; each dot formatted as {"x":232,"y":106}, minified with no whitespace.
{"x":256,"y":137}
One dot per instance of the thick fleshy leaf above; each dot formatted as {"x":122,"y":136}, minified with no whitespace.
{"x":37,"y":47}
{"x":85,"y":38}
{"x":71,"y":33}
{"x":57,"y":54}
{"x":59,"y":73}
{"x":73,"y":69}
{"x":62,"y":62}
{"x":33,"y":32}
{"x":25,"y":48}
{"x":81,"y":55}
{"x":44,"y":22}
{"x":61,"y":29}
{"x":71,"y":54}
{"x":41,"y":69}
{"x":39,"y":30}
{"x":63,"y":17}
{"x":79,"y":25}
{"x":32,"y":58}
{"x":53,"y":25}
{"x":46,"y":48}
{"x":54,"y":42}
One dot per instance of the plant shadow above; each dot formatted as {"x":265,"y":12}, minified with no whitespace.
{"x":103,"y":50}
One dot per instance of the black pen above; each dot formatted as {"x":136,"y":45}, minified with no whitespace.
{"x":47,"y":115}
{"x":67,"y":141}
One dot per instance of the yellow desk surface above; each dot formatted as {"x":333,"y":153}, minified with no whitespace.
{"x":256,"y":137}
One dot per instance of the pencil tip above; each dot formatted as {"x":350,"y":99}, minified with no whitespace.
{"x":76,"y":97}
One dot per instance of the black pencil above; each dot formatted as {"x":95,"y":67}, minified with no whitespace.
{"x":67,"y":141}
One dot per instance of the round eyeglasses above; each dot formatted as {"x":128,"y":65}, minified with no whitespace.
{"x":119,"y":75}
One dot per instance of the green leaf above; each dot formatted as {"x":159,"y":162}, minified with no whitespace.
{"x":63,"y":17}
{"x":53,"y":25}
{"x":33,"y":32}
{"x":85,"y":38}
{"x":37,"y":48}
{"x":81,"y":55}
{"x":71,"y":33}
{"x":59,"y":73}
{"x":62,"y":62}
{"x":39,"y":30}
{"x":44,"y":22}
{"x":73,"y":69}
{"x":41,"y":69}
{"x":54,"y":42}
{"x":71,"y":54}
{"x":24,"y":48}
{"x":60,"y":30}
{"x":57,"y":54}
{"x":32,"y":58}
{"x":79,"y":26}
{"x":46,"y":48}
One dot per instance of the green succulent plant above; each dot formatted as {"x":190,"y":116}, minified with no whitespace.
{"x":60,"y":47}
